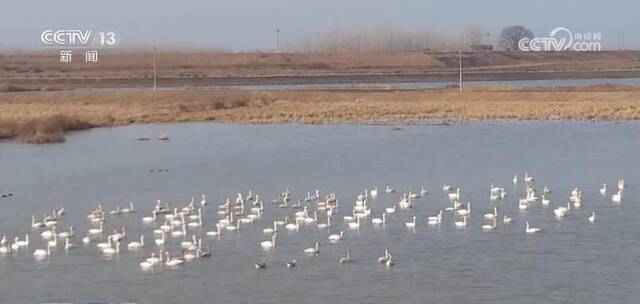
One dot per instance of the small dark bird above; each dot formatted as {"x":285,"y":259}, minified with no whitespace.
{"x":260,"y":265}
{"x":291,"y":264}
{"x":346,"y":259}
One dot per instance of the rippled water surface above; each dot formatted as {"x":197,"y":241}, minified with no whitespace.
{"x":569,"y":261}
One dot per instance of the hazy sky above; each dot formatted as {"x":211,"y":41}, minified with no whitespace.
{"x":249,"y":25}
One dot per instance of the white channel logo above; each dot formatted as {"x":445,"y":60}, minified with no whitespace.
{"x":80,"y":38}
{"x":562,"y":39}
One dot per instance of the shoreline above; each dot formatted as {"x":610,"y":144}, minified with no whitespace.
{"x":44,"y":116}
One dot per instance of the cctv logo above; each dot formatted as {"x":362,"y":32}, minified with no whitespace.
{"x":66,"y":38}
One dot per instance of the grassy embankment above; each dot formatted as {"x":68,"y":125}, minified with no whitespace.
{"x":42,"y":117}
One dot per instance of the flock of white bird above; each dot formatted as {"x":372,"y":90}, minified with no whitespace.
{"x":184,"y":225}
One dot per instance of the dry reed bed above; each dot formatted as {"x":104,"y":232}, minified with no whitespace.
{"x":32,"y":116}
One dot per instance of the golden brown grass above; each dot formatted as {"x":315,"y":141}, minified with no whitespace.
{"x":30,"y":115}
{"x":42,"y":129}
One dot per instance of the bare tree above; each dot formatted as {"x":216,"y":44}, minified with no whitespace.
{"x":511,"y":35}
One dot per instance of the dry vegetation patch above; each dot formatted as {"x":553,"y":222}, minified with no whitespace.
{"x":42,"y":117}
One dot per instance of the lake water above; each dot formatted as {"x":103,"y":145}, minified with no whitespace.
{"x":569,"y":261}
{"x":419,"y":85}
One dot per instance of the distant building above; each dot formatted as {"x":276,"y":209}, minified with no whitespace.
{"x":481,"y":47}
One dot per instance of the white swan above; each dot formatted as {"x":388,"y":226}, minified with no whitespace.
{"x":515,"y":179}
{"x":617,"y":198}
{"x":356,"y":224}
{"x":67,"y":234}
{"x":523,"y":204}
{"x":173,"y":261}
{"x":313,"y":250}
{"x":67,"y":244}
{"x":150,"y":219}
{"x":194,"y":217}
{"x":128,"y":210}
{"x":146,"y":265}
{"x":461,"y":224}
{"x":336,"y":237}
{"x":326,"y":224}
{"x":161,"y":240}
{"x":380,"y":221}
{"x":54,"y":243}
{"x":188,"y":243}
{"x":23,"y":243}
{"x":177,"y":232}
{"x":391,"y":209}
{"x":291,"y":226}
{"x":383,"y":259}
{"x":104,"y":245}
{"x":198,"y":223}
{"x":136,"y":245}
{"x":270,"y":229}
{"x":592,"y":218}
{"x":214,"y":232}
{"x":269,"y":244}
{"x":120,"y":235}
{"x":492,"y":215}
{"x":491,"y":227}
{"x":153,"y":260}
{"x":411,"y":224}
{"x":232,"y":227}
{"x":435,"y":220}
{"x":562,"y":211}
{"x":189,"y":255}
{"x":388,"y":190}
{"x":466,"y":211}
{"x":507,"y":220}
{"x":390,"y":261}
{"x":423,"y":191}
{"x":116,"y":211}
{"x":545,"y":201}
{"x":347,"y":258}
{"x":5,"y":249}
{"x":48,"y":234}
{"x":35,"y":224}
{"x":527,"y":178}
{"x":111,"y":250}
{"x":530,"y":230}
{"x":97,"y":230}
{"x":41,"y":253}
{"x":603,"y":190}
{"x":455,"y":196}
{"x":374,"y":192}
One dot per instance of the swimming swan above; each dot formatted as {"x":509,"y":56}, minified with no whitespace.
{"x":313,"y":250}
{"x":530,"y":230}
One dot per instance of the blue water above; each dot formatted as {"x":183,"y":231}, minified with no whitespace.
{"x":569,"y":261}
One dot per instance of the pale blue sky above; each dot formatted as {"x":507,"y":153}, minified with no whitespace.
{"x":249,"y":25}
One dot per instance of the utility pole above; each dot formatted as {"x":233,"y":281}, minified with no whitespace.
{"x":155,"y":70}
{"x":460,"y":61}
{"x":278,"y":40}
